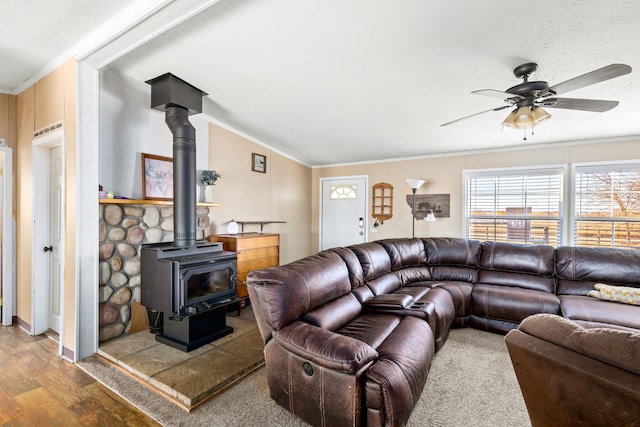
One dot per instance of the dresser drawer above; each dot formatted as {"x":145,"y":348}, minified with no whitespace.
{"x":257,"y":241}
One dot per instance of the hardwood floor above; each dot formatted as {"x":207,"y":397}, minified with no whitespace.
{"x":38,"y":388}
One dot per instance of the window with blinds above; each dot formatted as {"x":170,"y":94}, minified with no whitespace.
{"x":518,"y":206}
{"x":607,"y":206}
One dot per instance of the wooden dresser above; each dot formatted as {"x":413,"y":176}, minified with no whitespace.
{"x":255,"y":251}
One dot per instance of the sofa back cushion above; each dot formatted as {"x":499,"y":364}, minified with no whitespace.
{"x":356,"y":274}
{"x":524,"y":266}
{"x":451,"y":259}
{"x":373,"y":258}
{"x":408,"y":259}
{"x":376,"y":265}
{"x":579,"y":268}
{"x":404,"y":252}
{"x":285,"y":293}
{"x":334,"y":314}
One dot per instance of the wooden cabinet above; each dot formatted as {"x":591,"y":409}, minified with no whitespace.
{"x":255,"y":251}
{"x":382,"y":201}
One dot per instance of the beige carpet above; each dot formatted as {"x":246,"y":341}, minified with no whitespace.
{"x":471,"y":383}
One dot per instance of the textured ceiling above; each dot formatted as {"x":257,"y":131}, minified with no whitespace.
{"x":35,"y":32}
{"x":337,"y":82}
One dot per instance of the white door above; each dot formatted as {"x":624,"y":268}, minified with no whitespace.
{"x":343,"y":209}
{"x":7,"y":248}
{"x":47,"y":273}
{"x":55,"y":237}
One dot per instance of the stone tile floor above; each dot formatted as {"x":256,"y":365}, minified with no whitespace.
{"x":188,"y":379}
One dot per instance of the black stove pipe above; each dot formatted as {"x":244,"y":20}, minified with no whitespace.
{"x":184,"y":175}
{"x":178,"y":99}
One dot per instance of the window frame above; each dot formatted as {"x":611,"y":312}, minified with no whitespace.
{"x":564,"y":210}
{"x":594,"y":167}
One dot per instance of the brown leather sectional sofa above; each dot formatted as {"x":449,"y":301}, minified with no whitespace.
{"x":350,"y":332}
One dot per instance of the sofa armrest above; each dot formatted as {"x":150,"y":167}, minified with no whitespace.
{"x":389,"y":301}
{"x":325,"y":348}
{"x":615,"y":347}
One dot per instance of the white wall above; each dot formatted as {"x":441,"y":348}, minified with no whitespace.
{"x":128,"y":127}
{"x":86,"y":239}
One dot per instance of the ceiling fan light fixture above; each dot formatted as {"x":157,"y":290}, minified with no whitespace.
{"x":539,"y":115}
{"x":524,"y":117}
{"x":510,"y":121}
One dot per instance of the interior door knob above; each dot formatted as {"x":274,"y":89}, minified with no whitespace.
{"x":48,"y":248}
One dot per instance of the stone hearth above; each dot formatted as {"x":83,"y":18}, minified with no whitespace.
{"x":123,"y":230}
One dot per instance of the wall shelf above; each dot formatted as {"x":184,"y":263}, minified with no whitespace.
{"x":382,"y":201}
{"x":262,"y":224}
{"x":149,"y":202}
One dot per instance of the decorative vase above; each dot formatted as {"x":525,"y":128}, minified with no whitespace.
{"x":208,"y":193}
{"x":200,"y":193}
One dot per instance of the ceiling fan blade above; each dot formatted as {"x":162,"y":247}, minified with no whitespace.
{"x":595,"y":105}
{"x":498,"y":94}
{"x":593,"y":77}
{"x":481,"y":112}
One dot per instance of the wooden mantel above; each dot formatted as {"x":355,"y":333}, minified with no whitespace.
{"x":150,"y":202}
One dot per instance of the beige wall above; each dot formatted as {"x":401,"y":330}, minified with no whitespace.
{"x":48,"y":101}
{"x":444,"y":175}
{"x":8,"y":118}
{"x":70,"y":172}
{"x":282,"y":194}
{"x":24,"y":211}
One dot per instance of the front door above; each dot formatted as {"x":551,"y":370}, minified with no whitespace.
{"x":343,"y":211}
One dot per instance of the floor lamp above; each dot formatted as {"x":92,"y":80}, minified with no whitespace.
{"x":414,"y":184}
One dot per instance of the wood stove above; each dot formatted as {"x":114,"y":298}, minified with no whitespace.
{"x":185,"y":283}
{"x":189,"y":287}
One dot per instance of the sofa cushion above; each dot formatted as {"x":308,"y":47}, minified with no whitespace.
{"x":510,"y":303}
{"x":394,"y":383}
{"x":373,"y":258}
{"x":623,"y":294}
{"x":335,"y":313}
{"x":587,"y":309}
{"x":533,"y":259}
{"x":452,"y":251}
{"x":356,"y":274}
{"x":460,"y":292}
{"x":520,"y":280}
{"x":404,"y":252}
{"x":371,"y":328}
{"x":524,"y":266}
{"x":384,"y":284}
{"x":578,"y":268}
{"x":443,"y":307}
{"x":453,"y":259}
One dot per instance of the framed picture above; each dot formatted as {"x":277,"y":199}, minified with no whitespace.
{"x":157,"y":177}
{"x":258,"y":163}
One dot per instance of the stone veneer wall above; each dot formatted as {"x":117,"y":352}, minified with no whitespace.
{"x":123,"y":230}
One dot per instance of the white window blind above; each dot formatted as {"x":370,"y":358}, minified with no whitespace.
{"x":518,"y":206}
{"x":607,"y":206}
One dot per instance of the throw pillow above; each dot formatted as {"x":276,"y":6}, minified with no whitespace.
{"x":623,"y":294}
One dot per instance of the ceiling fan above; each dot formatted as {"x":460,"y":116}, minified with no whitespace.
{"x":528,"y":97}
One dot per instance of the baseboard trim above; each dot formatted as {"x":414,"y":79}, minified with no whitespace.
{"x":22,"y":324}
